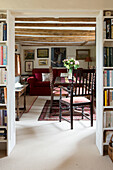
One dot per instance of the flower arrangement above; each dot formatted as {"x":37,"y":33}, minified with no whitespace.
{"x":70,"y":63}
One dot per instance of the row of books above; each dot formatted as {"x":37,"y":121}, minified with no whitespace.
{"x":3,"y":95}
{"x":3,"y":76}
{"x":108,"y":119}
{"x":3,"y":31}
{"x":108,"y":57}
{"x":108,"y":28}
{"x":3,"y":134}
{"x":3,"y":117}
{"x":107,"y":136}
{"x":108,"y":78}
{"x":3,"y":55}
{"x":108,"y":97}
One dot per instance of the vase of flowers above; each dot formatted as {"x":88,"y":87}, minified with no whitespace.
{"x":70,"y":64}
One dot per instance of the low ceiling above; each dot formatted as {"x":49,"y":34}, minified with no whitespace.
{"x":48,"y":31}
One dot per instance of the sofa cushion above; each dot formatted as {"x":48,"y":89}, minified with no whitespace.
{"x":38,"y":76}
{"x":42,"y":84}
{"x":45,"y":76}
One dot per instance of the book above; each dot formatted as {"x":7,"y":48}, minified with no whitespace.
{"x":104,"y":31}
{"x":108,"y":28}
{"x":5,"y":32}
{"x":5,"y":95}
{"x":111,"y":28}
{"x":105,"y":97}
{"x":1,"y":31}
{"x":108,"y":119}
{"x":5,"y":117}
{"x":4,"y":55}
{"x":1,"y":55}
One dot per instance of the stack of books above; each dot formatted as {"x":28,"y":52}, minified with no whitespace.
{"x":108,"y":78}
{"x":3,"y":117}
{"x":108,"y":119}
{"x":3,"y":31}
{"x":3,"y":134}
{"x":3,"y":55}
{"x":108,"y":28}
{"x":3,"y":76}
{"x":3,"y":95}
{"x":108,"y":97}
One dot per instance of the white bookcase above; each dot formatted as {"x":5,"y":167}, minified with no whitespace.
{"x":8,"y":144}
{"x":108,"y":67}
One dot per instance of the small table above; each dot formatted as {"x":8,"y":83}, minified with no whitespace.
{"x":18,"y":94}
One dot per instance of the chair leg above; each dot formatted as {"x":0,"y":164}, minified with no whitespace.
{"x":91,"y":114}
{"x":60,"y":111}
{"x":82,"y":112}
{"x":71,"y":116}
{"x":51,"y":103}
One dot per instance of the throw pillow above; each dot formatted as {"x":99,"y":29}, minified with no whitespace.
{"x":38,"y":76}
{"x":45,"y":77}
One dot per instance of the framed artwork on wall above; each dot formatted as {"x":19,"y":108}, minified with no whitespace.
{"x":81,"y":54}
{"x":29,"y":54}
{"x":57,"y":57}
{"x":28,"y":66}
{"x":42,"y":62}
{"x":42,"y":53}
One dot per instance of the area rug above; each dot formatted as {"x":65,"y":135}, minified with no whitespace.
{"x":46,"y":115}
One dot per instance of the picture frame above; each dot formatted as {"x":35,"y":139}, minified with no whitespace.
{"x":57,"y":56}
{"x":29,"y":54}
{"x":42,"y":62}
{"x":29,"y":66}
{"x":81,"y":54}
{"x":43,"y":53}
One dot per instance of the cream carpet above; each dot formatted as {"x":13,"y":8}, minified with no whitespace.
{"x":44,"y":145}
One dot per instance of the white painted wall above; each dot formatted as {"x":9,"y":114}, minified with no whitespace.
{"x":70,"y":52}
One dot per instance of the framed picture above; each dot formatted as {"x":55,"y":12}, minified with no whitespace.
{"x":29,"y":54}
{"x":57,"y":57}
{"x":81,"y":54}
{"x":43,"y":62}
{"x":43,"y":53}
{"x":28,"y":66}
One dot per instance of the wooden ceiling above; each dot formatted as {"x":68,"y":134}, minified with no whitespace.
{"x":49,"y":31}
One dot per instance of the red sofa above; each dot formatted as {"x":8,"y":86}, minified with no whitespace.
{"x":39,"y":87}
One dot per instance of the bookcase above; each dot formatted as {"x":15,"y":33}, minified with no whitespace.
{"x":107,"y":78}
{"x":7,"y":90}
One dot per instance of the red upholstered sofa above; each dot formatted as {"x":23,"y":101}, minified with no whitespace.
{"x":39,"y":87}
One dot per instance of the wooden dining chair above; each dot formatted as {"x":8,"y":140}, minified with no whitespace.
{"x":81,"y":94}
{"x":55,"y":91}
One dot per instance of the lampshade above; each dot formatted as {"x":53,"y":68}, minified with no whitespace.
{"x":88,"y":59}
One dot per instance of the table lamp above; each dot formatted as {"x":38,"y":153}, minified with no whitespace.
{"x":88,"y":59}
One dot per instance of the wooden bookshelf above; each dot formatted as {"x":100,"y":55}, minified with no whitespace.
{"x":6,"y":145}
{"x":107,"y":56}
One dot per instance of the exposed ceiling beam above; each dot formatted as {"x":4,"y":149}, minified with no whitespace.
{"x":53,"y":32}
{"x":52,"y":25}
{"x":56,"y":39}
{"x":57,"y":19}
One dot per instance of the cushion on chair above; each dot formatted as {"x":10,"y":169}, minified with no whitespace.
{"x":56,"y":91}
{"x":38,"y":76}
{"x":76,"y":99}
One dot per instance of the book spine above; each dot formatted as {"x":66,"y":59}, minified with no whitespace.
{"x":4,"y":55}
{"x":4,"y":32}
{"x":5,"y":117}
{"x":1,"y":55}
{"x":105,"y":57}
{"x":1,"y":31}
{"x":108,"y":78}
{"x":105,"y":97}
{"x":104,"y":32}
{"x":111,"y":28}
{"x":104,"y":120}
{"x":108,"y":28}
{"x":5,"y":95}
